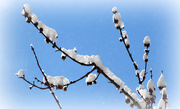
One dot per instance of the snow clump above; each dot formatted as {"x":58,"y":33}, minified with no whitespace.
{"x":146,"y":41}
{"x":145,"y":57}
{"x":20,"y":73}
{"x":161,"y":82}
{"x":142,"y":74}
{"x":60,"y":82}
{"x":114,"y":10}
{"x":117,"y":19}
{"x":91,"y":79}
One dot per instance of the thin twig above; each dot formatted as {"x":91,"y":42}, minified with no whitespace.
{"x":72,"y":82}
{"x":52,"y":92}
{"x":34,"y":84}
{"x":97,"y":76}
{"x":130,"y":55}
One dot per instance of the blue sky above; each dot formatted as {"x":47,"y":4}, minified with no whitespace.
{"x":87,"y":25}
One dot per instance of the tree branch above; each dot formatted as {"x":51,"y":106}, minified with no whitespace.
{"x":34,"y":84}
{"x":49,"y":87}
{"x":72,"y":82}
{"x":130,"y":55}
{"x":92,"y":64}
{"x":142,"y":97}
{"x":59,"y":49}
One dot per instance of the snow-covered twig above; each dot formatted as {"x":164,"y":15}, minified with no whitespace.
{"x":123,"y":39}
{"x":130,"y":55}
{"x":142,"y":97}
{"x":59,"y":49}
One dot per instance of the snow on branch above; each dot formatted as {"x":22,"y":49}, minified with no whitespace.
{"x":125,"y":39}
{"x":51,"y":37}
{"x":119,"y":84}
{"x":46,"y":79}
{"x":60,"y":82}
{"x":21,"y":74}
{"x":163,"y":102}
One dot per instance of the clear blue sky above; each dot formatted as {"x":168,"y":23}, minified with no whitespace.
{"x":87,"y":25}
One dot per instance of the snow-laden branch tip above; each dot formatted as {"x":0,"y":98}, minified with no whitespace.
{"x":146,"y":41}
{"x":161,"y":82}
{"x":117,"y":19}
{"x":151,"y":86}
{"x":60,"y":82}
{"x":20,"y":73}
{"x":114,"y":10}
{"x":49,"y":33}
{"x":152,"y":90}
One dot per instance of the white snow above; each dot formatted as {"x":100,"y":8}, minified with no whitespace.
{"x":163,"y":104}
{"x":127,"y":42}
{"x":146,"y":40}
{"x":48,"y":32}
{"x":27,"y":10}
{"x":136,"y":72}
{"x":31,"y":45}
{"x":94,"y":59}
{"x":20,"y":73}
{"x":145,"y":57}
{"x":141,"y":87}
{"x":51,"y":34}
{"x":142,"y":103}
{"x":117,"y":17}
{"x":45,"y":30}
{"x":127,"y":89}
{"x":41,"y":25}
{"x":134,"y":96}
{"x":34,"y":19}
{"x":142,"y":74}
{"x":150,"y":85}
{"x":164,"y":91}
{"x":24,"y":13}
{"x":114,"y":9}
{"x":91,"y":78}
{"x":124,"y":34}
{"x":144,"y":93}
{"x":57,"y":80}
{"x":161,"y":82}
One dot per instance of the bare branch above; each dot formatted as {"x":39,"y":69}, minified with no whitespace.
{"x":34,"y":84}
{"x":49,"y":87}
{"x":72,"y":82}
